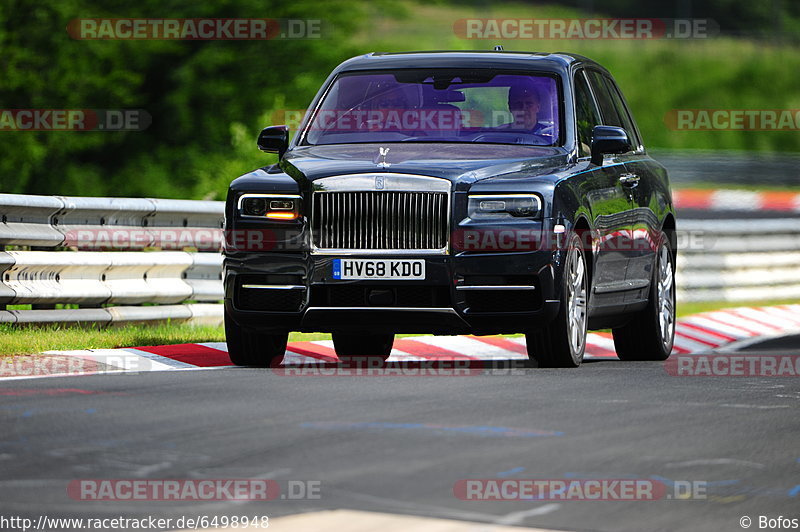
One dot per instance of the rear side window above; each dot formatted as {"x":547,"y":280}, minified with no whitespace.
{"x":586,"y":114}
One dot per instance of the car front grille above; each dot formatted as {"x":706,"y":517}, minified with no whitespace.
{"x":380,"y":220}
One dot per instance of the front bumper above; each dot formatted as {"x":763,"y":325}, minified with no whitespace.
{"x":439,"y":305}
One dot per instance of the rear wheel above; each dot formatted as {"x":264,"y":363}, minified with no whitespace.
{"x":651,"y":333}
{"x":250,"y":348}
{"x":563,"y":343}
{"x":350,"y":346}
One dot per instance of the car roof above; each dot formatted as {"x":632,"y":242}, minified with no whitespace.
{"x":558,"y":61}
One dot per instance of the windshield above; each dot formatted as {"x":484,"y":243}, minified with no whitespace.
{"x":481,"y":106}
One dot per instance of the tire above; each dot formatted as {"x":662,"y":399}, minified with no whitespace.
{"x":651,"y":332}
{"x":249,"y":348}
{"x":563,"y":343}
{"x":349,"y":346}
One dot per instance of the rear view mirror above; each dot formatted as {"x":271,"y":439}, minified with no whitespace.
{"x":608,"y":139}
{"x":274,"y":139}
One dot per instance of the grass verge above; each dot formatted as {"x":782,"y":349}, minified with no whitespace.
{"x":17,"y":341}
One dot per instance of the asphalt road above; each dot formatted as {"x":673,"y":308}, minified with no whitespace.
{"x":399,"y":444}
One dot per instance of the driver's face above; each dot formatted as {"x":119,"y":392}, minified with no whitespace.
{"x":525,"y":111}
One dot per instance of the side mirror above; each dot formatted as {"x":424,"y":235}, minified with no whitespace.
{"x":274,"y":139}
{"x":608,"y":139}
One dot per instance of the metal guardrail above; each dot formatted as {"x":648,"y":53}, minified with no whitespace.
{"x":739,"y":260}
{"x":101,"y":259}
{"x":719,"y":260}
{"x":112,"y":223}
{"x":97,"y":278}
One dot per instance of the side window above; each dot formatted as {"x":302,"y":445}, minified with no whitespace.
{"x":586,"y":115}
{"x":624,"y":113}
{"x":606,"y":95}
{"x":607,"y":109}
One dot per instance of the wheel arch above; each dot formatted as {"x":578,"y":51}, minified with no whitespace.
{"x":583,"y":229}
{"x":669,"y":228}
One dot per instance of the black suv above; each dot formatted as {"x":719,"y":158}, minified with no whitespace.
{"x":452,"y":193}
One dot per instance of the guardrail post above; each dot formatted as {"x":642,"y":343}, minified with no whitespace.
{"x":42,"y":306}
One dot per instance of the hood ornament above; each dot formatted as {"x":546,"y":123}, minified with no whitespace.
{"x":381,"y":159}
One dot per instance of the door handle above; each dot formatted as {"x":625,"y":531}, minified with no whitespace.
{"x":629,"y":180}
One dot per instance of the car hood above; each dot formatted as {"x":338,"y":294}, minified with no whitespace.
{"x":460,"y":163}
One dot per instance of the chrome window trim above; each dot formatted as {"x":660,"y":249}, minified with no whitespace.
{"x":384,"y":253}
{"x":274,"y":286}
{"x":495,"y":287}
{"x":433,"y":310}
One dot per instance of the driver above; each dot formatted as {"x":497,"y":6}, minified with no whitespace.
{"x":524,"y":105}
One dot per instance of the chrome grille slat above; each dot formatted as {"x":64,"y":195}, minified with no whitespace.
{"x":409,"y":220}
{"x":428,"y":215}
{"x":380,"y":220}
{"x":351,"y":232}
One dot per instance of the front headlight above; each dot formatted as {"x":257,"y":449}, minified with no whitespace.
{"x":270,"y":206}
{"x":505,"y":206}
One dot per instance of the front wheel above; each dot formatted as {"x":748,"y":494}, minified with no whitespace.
{"x":349,"y":346}
{"x":250,"y":348}
{"x":563,"y":343}
{"x":651,"y":332}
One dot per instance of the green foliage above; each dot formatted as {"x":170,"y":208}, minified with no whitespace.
{"x":207,"y":98}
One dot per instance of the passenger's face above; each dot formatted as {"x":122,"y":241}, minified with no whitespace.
{"x":525,"y":111}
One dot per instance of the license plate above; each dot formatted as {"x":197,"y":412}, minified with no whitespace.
{"x":355,"y":269}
